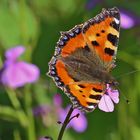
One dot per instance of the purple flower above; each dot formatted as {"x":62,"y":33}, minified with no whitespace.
{"x":41,"y":110}
{"x":78,"y":124}
{"x":106,"y":103}
{"x":129,"y":19}
{"x":17,"y":73}
{"x":44,"y":112}
{"x":57,"y":100}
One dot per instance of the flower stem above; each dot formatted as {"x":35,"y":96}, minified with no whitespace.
{"x":13,"y":98}
{"x":75,"y":116}
{"x":28,"y":107}
{"x":17,"y":106}
{"x":65,"y":124}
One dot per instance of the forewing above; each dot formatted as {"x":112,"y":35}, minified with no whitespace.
{"x":67,"y":44}
{"x":102,"y":35}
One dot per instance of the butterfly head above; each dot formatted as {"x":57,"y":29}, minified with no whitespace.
{"x":113,"y":83}
{"x":109,"y":79}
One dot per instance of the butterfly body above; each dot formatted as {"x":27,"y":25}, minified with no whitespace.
{"x":84,"y":57}
{"x":83,"y":66}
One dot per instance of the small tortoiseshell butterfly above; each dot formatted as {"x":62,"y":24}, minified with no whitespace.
{"x":84,"y":57}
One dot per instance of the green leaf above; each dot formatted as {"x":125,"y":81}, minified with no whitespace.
{"x":17,"y":25}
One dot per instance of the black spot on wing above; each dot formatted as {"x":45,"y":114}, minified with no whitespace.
{"x":81,"y":86}
{"x":103,"y":31}
{"x":97,"y":90}
{"x":95,"y":43}
{"x":80,"y":91}
{"x":76,"y":80}
{"x":115,"y":25}
{"x":109,"y":51}
{"x":90,"y":104}
{"x":97,"y":34}
{"x":113,"y":39}
{"x":97,"y":97}
{"x":87,"y":48}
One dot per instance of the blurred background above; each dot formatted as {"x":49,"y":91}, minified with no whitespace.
{"x":30,"y":108}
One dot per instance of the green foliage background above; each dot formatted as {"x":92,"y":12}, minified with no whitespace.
{"x":36,"y":25}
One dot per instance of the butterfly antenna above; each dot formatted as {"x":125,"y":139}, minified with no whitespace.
{"x":128,"y":73}
{"x":124,"y":96}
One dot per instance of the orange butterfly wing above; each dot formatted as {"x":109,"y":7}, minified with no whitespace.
{"x":85,"y":95}
{"x":68,"y":43}
{"x":102,"y":34}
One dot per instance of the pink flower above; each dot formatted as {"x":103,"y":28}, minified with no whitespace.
{"x":78,"y":124}
{"x":126,"y":21}
{"x":107,"y":101}
{"x":129,"y":19}
{"x":17,"y":73}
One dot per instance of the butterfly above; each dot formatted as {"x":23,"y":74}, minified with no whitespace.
{"x":84,"y":57}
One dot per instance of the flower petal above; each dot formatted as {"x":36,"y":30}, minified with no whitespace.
{"x":79,"y":124}
{"x":14,"y":53}
{"x":127,"y":21}
{"x":20,"y":73}
{"x":106,"y":104}
{"x":114,"y":95}
{"x":57,"y":100}
{"x":41,"y":110}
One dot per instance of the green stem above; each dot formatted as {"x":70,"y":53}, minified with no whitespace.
{"x":7,"y":113}
{"x":28,"y":107}
{"x":17,"y":135}
{"x":65,"y":124}
{"x":18,"y":110}
{"x":13,"y":98}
